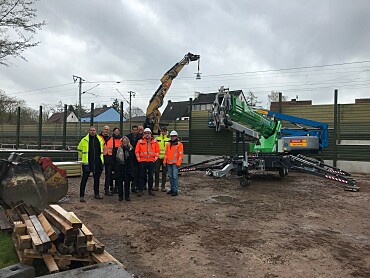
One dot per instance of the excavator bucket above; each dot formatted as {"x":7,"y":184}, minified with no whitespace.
{"x":35,"y":182}
{"x":55,"y":179}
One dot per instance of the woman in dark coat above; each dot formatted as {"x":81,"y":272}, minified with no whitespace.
{"x":124,"y":157}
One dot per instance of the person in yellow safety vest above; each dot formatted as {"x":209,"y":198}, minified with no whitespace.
{"x":90,"y":150}
{"x":162,"y":142}
{"x":173,"y":159}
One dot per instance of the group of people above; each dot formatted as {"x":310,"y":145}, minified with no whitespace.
{"x":130,"y":162}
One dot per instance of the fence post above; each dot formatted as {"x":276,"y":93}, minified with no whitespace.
{"x":18,"y":132}
{"x":335,"y":149}
{"x":40,"y":128}
{"x":190,"y":129}
{"x":65,"y":127}
{"x":121,"y":118}
{"x":92,"y":115}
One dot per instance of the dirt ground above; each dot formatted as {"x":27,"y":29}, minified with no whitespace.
{"x":299,"y":226}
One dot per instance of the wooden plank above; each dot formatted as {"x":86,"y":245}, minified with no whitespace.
{"x":36,"y":241}
{"x":84,"y":229}
{"x":47,"y":227}
{"x":20,"y":254}
{"x":12,"y":215}
{"x":105,"y":257}
{"x":69,"y":218}
{"x":41,"y":232}
{"x":99,"y":247}
{"x":81,"y":238}
{"x":50,"y":263}
{"x":24,"y":242}
{"x":90,"y":245}
{"x":4,"y":222}
{"x":20,"y":228}
{"x":63,"y":226}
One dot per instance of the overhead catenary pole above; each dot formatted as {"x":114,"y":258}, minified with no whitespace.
{"x":121,"y":118}
{"x":65,"y":127}
{"x":130,"y":113}
{"x":75,"y":78}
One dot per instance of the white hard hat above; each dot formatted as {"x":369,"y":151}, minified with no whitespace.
{"x":173,"y":133}
{"x":147,"y":130}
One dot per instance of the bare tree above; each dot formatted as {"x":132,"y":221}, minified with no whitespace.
{"x":17,"y":27}
{"x":136,"y":111}
{"x":251,"y":99}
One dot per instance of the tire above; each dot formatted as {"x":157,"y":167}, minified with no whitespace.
{"x":244,"y":182}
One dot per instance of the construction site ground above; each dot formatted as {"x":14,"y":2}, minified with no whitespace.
{"x":297,"y":226}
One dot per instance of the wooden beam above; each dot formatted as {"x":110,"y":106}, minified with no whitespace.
{"x":65,"y":215}
{"x":41,"y":232}
{"x":47,"y":227}
{"x":50,"y":263}
{"x":105,"y":257}
{"x":63,"y":226}
{"x":20,"y":228}
{"x":24,"y":242}
{"x":85,"y":230}
{"x":4,"y":222}
{"x":81,"y":238}
{"x":36,"y":241}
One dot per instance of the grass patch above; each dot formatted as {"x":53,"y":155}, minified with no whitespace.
{"x":8,"y":256}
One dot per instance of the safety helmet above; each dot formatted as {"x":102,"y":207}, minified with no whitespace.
{"x":147,"y":130}
{"x":173,"y":133}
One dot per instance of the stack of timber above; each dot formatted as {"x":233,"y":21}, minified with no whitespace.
{"x":73,"y":168}
{"x":56,"y":236}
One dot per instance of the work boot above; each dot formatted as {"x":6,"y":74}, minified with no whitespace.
{"x":127,"y":198}
{"x":169,"y":191}
{"x":82,"y":200}
{"x":140,"y":194}
{"x":115,"y":190}
{"x":174,"y":194}
{"x":151,"y":193}
{"x":134,"y":190}
{"x":163,"y":189}
{"x":120,"y":199}
{"x":98,"y":197}
{"x":155,"y":189}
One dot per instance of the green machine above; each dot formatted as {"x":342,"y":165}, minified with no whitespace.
{"x":266,"y":148}
{"x":234,"y":114}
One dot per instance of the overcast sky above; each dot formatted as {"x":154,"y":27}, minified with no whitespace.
{"x":300,"y":48}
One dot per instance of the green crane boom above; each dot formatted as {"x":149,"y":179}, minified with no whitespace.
{"x":230,"y":112}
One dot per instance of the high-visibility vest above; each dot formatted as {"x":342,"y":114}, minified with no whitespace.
{"x":83,"y":149}
{"x":174,"y":154}
{"x":108,"y":146}
{"x":147,"y":152}
{"x":162,"y":142}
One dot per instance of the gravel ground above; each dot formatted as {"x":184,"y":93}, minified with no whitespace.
{"x":297,"y":226}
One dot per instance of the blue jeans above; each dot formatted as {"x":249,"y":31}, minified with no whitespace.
{"x":173,"y":173}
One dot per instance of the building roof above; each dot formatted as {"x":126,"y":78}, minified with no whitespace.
{"x":210,"y":98}
{"x":175,"y":110}
{"x":138,"y":119}
{"x":57,"y":117}
{"x":274,"y":106}
{"x":97,"y":112}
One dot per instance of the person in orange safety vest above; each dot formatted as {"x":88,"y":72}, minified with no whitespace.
{"x":147,"y":153}
{"x":108,"y":158}
{"x":172,"y":160}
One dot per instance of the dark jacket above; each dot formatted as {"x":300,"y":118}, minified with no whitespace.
{"x":125,"y":170}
